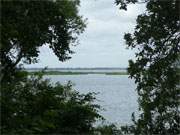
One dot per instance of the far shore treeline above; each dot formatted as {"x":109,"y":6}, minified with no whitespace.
{"x":78,"y":71}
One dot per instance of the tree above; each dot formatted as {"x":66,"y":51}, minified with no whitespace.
{"x":35,"y":106}
{"x":30,"y":104}
{"x":155,"y":70}
{"x":28,"y":25}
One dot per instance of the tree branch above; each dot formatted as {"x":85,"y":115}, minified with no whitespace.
{"x":18,"y":59}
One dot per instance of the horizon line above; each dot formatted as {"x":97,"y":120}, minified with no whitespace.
{"x":74,"y":67}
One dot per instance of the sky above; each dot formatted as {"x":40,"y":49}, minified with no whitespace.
{"x":102,"y":43}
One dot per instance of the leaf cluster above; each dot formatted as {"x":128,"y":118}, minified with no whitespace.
{"x":35,"y":106}
{"x":27,"y":25}
{"x":155,"y":70}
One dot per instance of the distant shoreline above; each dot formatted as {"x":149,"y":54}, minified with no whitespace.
{"x":77,"y":68}
{"x":78,"y":73}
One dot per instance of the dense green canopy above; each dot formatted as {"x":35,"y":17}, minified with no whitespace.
{"x":35,"y":106}
{"x":28,"y":25}
{"x":155,"y":70}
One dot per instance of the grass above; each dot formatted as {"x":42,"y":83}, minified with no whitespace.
{"x":79,"y":73}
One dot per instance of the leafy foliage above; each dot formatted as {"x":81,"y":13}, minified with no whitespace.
{"x":35,"y":106}
{"x":108,"y":130}
{"x":28,"y":25}
{"x":155,"y":69}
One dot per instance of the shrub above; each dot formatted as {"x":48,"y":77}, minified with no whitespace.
{"x":35,"y":106}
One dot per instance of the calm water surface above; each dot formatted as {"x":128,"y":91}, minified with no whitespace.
{"x":117,"y":93}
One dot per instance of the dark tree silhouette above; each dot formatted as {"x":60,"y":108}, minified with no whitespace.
{"x":28,"y":25}
{"x":155,"y":70}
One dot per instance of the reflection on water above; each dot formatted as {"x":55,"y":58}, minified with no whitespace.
{"x":117,"y":93}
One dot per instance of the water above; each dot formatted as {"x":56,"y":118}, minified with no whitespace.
{"x":117,"y":93}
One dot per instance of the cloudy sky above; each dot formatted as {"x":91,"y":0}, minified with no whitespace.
{"x":102,"y":44}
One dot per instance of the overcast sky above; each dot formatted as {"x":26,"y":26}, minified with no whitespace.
{"x":102,"y":43}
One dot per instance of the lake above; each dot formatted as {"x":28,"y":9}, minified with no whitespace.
{"x":117,"y":93}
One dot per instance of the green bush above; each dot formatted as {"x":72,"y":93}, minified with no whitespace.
{"x":108,"y":129}
{"x":35,"y":106}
